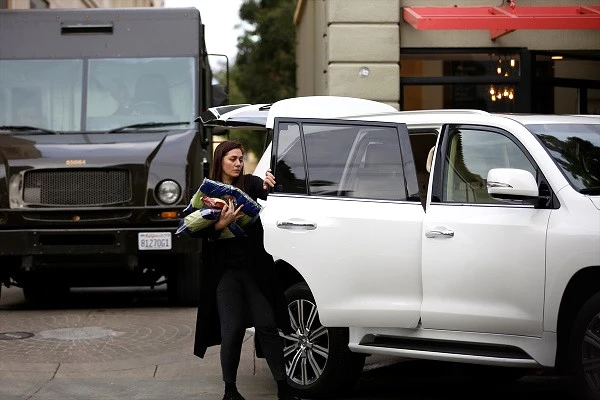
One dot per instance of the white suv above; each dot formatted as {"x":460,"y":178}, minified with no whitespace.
{"x":453,"y":235}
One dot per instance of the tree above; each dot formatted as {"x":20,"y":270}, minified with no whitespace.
{"x":253,"y":141}
{"x":266,"y":60}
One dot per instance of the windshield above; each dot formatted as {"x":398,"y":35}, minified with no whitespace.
{"x":96,"y":94}
{"x":576,"y":150}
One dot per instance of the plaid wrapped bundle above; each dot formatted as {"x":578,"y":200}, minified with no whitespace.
{"x":206,"y":205}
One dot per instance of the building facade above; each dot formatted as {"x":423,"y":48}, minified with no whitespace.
{"x":414,"y":54}
{"x":37,"y":4}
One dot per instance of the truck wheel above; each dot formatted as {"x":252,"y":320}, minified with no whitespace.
{"x":317,"y":359}
{"x":585,"y":349}
{"x":183,"y":280}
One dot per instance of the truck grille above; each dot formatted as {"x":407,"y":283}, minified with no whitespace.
{"x":77,"y":216}
{"x":81,"y":187}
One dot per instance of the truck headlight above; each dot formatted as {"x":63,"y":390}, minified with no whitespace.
{"x":168,"y":191}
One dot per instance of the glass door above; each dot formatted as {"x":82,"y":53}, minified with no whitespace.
{"x":566,"y":83}
{"x":484,"y":79}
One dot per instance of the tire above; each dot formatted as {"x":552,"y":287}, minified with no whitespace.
{"x":183,"y":280}
{"x":585,"y":349}
{"x":317,"y":359}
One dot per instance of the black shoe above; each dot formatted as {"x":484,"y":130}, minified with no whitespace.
{"x":233,"y":395}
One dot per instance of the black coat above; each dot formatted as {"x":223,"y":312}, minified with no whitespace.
{"x":208,"y":328}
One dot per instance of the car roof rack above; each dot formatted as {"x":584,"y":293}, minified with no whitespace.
{"x":447,"y":111}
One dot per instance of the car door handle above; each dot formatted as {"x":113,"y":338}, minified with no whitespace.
{"x":439,"y":232}
{"x":297,"y":224}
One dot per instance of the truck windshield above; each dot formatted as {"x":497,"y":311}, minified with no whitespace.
{"x":97,"y":94}
{"x":576,"y":150}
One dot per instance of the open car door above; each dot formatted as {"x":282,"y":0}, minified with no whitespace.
{"x":345,"y":187}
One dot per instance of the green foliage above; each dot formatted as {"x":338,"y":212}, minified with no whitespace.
{"x":253,"y":140}
{"x":266,"y":60}
{"x":265,"y":67}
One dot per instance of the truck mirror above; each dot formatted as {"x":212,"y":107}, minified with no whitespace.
{"x":219,"y":95}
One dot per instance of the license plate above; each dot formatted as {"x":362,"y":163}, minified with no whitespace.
{"x":154,"y":240}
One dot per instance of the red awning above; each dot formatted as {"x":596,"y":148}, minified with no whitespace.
{"x":502,"y":20}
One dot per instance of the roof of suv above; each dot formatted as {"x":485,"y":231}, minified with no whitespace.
{"x":263,"y":115}
{"x":531,"y":119}
{"x":332,"y":107}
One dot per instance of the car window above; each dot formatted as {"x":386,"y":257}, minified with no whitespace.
{"x":575,"y":148}
{"x":327,"y":150}
{"x":341,"y":160}
{"x":289,"y":171}
{"x":374,"y":170}
{"x":469,"y":157}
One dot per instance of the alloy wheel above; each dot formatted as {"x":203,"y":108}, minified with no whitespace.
{"x":591,"y":354}
{"x":306,"y":351}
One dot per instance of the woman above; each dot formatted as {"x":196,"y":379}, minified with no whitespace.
{"x":239,"y":286}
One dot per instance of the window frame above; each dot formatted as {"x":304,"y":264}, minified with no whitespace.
{"x":440,"y":169}
{"x":521,"y":82}
{"x":408,"y":164}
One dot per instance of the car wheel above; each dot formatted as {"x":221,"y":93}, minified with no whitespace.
{"x":585,"y":349}
{"x":318,"y":361}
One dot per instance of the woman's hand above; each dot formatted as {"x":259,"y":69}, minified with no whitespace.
{"x":228,"y":215}
{"x":269,"y":180}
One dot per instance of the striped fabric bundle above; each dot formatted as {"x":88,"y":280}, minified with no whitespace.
{"x":206,"y":204}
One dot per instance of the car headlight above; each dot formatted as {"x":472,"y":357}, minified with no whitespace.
{"x":168,"y":191}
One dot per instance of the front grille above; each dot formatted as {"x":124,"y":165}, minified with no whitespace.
{"x":76,"y":216}
{"x":80,"y":187}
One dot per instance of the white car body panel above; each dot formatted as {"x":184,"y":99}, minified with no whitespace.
{"x":542,"y":350}
{"x":372,"y":276}
{"x":573,"y":244}
{"x":489,"y":277}
{"x":499,"y":281}
{"x":324,"y":107}
{"x":263,"y":164}
{"x":595,"y":201}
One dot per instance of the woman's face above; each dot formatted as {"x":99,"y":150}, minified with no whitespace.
{"x":232,"y":165}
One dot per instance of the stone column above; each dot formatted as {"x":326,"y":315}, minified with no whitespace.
{"x":363,"y":49}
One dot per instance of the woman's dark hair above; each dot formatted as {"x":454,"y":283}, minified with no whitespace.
{"x":216,"y":170}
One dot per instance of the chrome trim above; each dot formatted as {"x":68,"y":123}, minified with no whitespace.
{"x":439,"y":232}
{"x":491,"y":205}
{"x":338,"y":198}
{"x":291,"y":225}
{"x":491,"y":184}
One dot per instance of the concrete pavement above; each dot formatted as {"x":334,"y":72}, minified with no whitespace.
{"x":113,"y":353}
{"x":111,"y":344}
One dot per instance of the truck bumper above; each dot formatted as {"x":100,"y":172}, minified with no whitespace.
{"x":90,"y":242}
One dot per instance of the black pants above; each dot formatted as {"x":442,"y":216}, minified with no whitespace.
{"x":237,"y":293}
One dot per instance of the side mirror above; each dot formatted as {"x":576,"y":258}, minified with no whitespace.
{"x":220,"y":95}
{"x":512,"y":185}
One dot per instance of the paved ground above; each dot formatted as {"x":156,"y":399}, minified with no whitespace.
{"x":140,"y":352}
{"x":130,"y":345}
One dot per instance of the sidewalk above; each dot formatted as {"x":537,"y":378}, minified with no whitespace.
{"x":133,"y":353}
